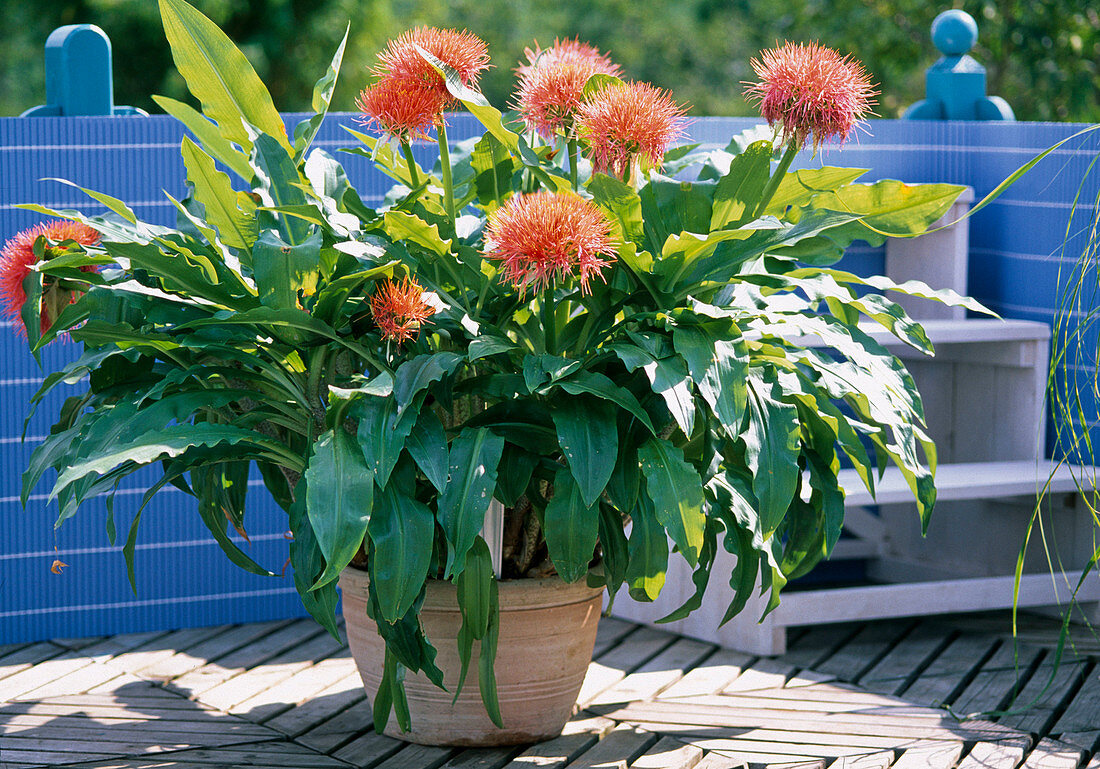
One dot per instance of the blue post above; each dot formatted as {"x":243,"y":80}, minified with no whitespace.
{"x":78,"y":74}
{"x":955,"y":85}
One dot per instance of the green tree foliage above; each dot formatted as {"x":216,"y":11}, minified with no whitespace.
{"x":1043,"y":56}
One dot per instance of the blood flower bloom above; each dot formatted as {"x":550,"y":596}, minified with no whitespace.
{"x":622,"y":122}
{"x":811,"y":90}
{"x":399,"y":109}
{"x":544,"y":235}
{"x":551,"y":85}
{"x":463,"y":52}
{"x":18,"y":259}
{"x":399,"y":309}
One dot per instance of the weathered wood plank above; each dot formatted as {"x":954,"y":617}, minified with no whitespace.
{"x":211,"y":650}
{"x":1053,"y":754}
{"x":609,"y":632}
{"x":1087,"y":741}
{"x":669,"y":753}
{"x":617,"y":750}
{"x":21,"y":658}
{"x":710,"y":676}
{"x":268,"y":755}
{"x":333,"y":732}
{"x":333,"y":675}
{"x":816,"y":644}
{"x":1005,"y":754}
{"x":1041,"y":697}
{"x":659,"y":673}
{"x":578,"y":736}
{"x":763,"y":674}
{"x":1002,"y":675}
{"x":863,"y":650}
{"x":319,"y":708}
{"x":1083,"y":711}
{"x":892,"y":673}
{"x":718,"y":761}
{"x":943,"y":756}
{"x":425,"y":756}
{"x":229,"y":728}
{"x":614,"y":665}
{"x":950,"y":671}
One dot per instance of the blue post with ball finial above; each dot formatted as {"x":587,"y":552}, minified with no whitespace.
{"x":955,"y":85}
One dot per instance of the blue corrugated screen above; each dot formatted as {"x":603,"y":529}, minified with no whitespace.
{"x":183,"y":579}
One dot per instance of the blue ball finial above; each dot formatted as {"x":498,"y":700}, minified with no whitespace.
{"x":954,"y":32}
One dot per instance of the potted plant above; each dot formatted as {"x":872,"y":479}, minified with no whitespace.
{"x":541,"y":368}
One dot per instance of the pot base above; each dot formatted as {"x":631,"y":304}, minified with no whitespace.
{"x":547,"y":632}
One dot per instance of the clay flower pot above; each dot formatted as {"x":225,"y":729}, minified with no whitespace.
{"x":547,"y":631}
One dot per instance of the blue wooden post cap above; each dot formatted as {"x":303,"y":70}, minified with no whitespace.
{"x":954,"y":32}
{"x":78,"y":74}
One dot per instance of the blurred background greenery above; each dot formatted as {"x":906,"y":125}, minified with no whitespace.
{"x":1042,"y":56}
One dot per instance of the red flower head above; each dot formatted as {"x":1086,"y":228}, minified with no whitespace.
{"x":17,"y":260}
{"x":539,"y":236}
{"x":551,"y":85}
{"x":399,"y":309}
{"x":464,"y":52}
{"x":622,"y":122}
{"x":811,"y":90}
{"x":397,"y":108}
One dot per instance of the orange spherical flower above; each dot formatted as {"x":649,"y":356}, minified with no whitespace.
{"x":400,"y":109}
{"x":399,"y":309}
{"x":622,"y":122}
{"x":18,"y":259}
{"x":811,"y":90}
{"x":551,"y":87}
{"x":544,"y":235}
{"x":463,"y":52}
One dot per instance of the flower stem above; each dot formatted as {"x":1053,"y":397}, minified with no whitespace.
{"x":573,"y":163}
{"x":777,"y":178}
{"x":414,"y":176}
{"x":549,"y":321}
{"x":445,"y":164}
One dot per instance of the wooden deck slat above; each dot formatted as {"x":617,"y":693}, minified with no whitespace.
{"x":994,"y":684}
{"x":817,"y":643}
{"x":212,"y":649}
{"x":893,"y":672}
{"x":1082,"y":711}
{"x":341,"y":728}
{"x":659,"y":673}
{"x":710,"y":676}
{"x":318,"y":709}
{"x":425,"y":756}
{"x":619,"y":748}
{"x":1043,"y":701}
{"x":579,"y":735}
{"x":942,"y":756}
{"x":863,"y":650}
{"x":763,"y":674}
{"x":669,"y":753}
{"x":1052,"y":754}
{"x":995,"y":755}
{"x":950,"y":671}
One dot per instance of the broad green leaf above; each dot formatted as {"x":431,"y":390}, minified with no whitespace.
{"x":484,"y":346}
{"x":473,"y":461}
{"x":589,"y":439}
{"x":215,"y":486}
{"x":571,"y":528}
{"x":219,"y":75}
{"x":478,"y":602}
{"x":427,"y":445}
{"x":614,"y":550}
{"x":283,"y":270}
{"x":415,"y":375}
{"x":402,"y":226}
{"x":340,"y":498}
{"x":719,"y":367}
{"x":739,"y":191}
{"x":219,"y":199}
{"x":647,"y":547}
{"x":771,"y":451}
{"x":668,"y":378}
{"x":494,"y":166}
{"x":798,"y":187}
{"x":602,"y":387}
{"x":670,"y":206}
{"x":621,"y":201}
{"x":207,"y":134}
{"x":280,"y":186}
{"x":306,"y":130}
{"x":886,"y":208}
{"x":676,"y":491}
{"x":193,"y":276}
{"x":402,"y":530}
{"x":114,"y":204}
{"x":382,"y":433}
{"x":514,"y":474}
{"x":486,"y":676}
{"x":701,"y":576}
{"x":625,"y":481}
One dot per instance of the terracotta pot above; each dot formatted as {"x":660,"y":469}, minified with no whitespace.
{"x":547,"y":631}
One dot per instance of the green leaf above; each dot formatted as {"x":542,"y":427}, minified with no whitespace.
{"x":382,"y":433}
{"x":486,"y":678}
{"x":306,"y":130}
{"x":798,"y":187}
{"x":625,"y":481}
{"x":621,"y":201}
{"x":207,"y":134}
{"x":31,"y":311}
{"x":478,"y":602}
{"x":280,"y":186}
{"x":494,"y":166}
{"x":402,"y":226}
{"x":739,"y":191}
{"x":514,"y":474}
{"x":771,"y":451}
{"x":415,"y":375}
{"x":187,"y":274}
{"x":676,"y":491}
{"x":589,"y":438}
{"x":427,"y":445}
{"x":647,"y":547}
{"x":282,"y":270}
{"x":473,"y":461}
{"x":602,"y":387}
{"x":614,"y":549}
{"x":219,"y":75}
{"x":114,"y":204}
{"x":719,"y":367}
{"x":219,"y":199}
{"x":340,"y":497}
{"x":484,"y":346}
{"x":668,"y":378}
{"x":670,"y":206}
{"x":402,"y":530}
{"x":571,"y":528}
{"x":886,"y":208}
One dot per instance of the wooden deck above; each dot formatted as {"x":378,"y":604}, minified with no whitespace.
{"x":858,"y":696}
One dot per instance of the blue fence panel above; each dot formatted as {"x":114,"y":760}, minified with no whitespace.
{"x":183,"y":579}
